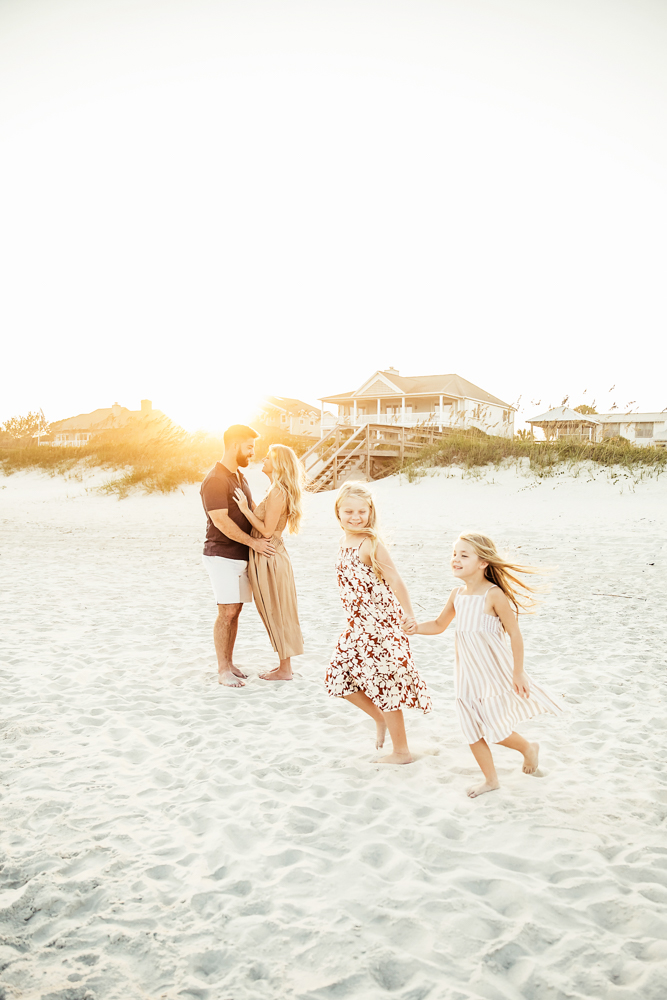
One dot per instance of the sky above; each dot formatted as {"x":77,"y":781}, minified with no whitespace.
{"x":205,"y":201}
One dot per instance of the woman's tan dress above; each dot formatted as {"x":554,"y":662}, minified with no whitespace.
{"x":272,"y":582}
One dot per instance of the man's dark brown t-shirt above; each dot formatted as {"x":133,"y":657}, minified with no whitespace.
{"x":217,"y":493}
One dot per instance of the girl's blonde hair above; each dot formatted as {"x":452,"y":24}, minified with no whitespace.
{"x":361,"y":492}
{"x":289,"y":476}
{"x":503,"y":573}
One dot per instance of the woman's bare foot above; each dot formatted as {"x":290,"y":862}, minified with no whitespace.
{"x":277,"y":675}
{"x":530,"y":759}
{"x":395,"y":758}
{"x":486,"y":786}
{"x":381,"y":733}
{"x":238,"y":672}
{"x":230,"y":679}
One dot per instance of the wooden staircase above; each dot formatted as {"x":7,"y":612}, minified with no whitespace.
{"x":370,"y":449}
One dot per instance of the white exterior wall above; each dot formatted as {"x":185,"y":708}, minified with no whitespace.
{"x":628,"y":429}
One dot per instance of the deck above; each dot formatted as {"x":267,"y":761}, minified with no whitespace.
{"x":371,"y":450}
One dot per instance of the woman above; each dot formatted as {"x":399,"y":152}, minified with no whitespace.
{"x":272,"y":580}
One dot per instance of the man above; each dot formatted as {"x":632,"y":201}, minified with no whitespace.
{"x":227,"y":541}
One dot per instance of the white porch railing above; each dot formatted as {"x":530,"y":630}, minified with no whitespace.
{"x":458,"y":419}
{"x":409,"y":420}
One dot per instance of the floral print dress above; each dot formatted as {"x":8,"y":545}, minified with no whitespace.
{"x":373,"y":653}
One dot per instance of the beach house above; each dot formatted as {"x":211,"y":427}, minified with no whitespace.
{"x":641,"y":429}
{"x":77,"y":431}
{"x":440,"y":401}
{"x":295,"y":416}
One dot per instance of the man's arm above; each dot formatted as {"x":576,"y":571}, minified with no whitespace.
{"x":222,"y":521}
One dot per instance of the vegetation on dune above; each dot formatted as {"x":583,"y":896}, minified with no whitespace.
{"x":473,"y":450}
{"x":154,"y":456}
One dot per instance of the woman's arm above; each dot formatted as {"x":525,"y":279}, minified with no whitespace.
{"x":390,"y":575}
{"x":502,"y":608}
{"x":445,"y":618}
{"x":274,"y":506}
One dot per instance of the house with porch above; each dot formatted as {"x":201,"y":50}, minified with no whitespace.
{"x":641,"y":429}
{"x":438,"y":401}
{"x":74,"y":432}
{"x":295,"y":416}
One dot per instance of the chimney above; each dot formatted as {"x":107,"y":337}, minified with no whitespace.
{"x":391,"y":371}
{"x":146,"y":406}
{"x":115,"y":409}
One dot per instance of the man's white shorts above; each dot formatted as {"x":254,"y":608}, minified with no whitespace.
{"x":229,"y":578}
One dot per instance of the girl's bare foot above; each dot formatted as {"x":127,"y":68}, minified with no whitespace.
{"x":277,"y":675}
{"x":395,"y":758}
{"x":486,"y":786}
{"x":230,"y":679}
{"x":381,"y":733}
{"x":530,"y":759}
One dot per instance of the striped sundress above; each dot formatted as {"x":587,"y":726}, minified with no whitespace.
{"x":486,"y":703}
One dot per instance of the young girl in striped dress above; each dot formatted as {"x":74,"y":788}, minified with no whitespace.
{"x":493,"y":692}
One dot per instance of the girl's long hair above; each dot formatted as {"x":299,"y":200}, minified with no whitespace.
{"x":289,"y":476}
{"x":502,"y":572}
{"x":361,"y":492}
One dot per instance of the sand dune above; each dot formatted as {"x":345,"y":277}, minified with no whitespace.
{"x":163,"y":837}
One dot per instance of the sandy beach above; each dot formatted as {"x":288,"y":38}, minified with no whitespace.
{"x":163,"y":837}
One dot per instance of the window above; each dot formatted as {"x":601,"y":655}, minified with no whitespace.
{"x":283,"y":418}
{"x":611,"y":430}
{"x":644,"y":430}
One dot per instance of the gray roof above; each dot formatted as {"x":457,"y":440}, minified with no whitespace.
{"x":292,"y":405}
{"x":563,"y":414}
{"x":631,"y":418}
{"x":416,"y":385}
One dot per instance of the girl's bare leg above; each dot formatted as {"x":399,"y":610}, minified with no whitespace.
{"x":283,"y":672}
{"x":530,"y":751}
{"x":482,"y":754}
{"x":396,"y":726}
{"x":363,"y":702}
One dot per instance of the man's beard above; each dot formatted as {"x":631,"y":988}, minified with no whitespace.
{"x":241,"y":459}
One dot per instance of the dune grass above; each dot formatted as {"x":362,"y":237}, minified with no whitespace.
{"x":160,"y":457}
{"x":473,"y":450}
{"x":155,"y":458}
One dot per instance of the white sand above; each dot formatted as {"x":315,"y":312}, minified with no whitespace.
{"x":165,"y":837}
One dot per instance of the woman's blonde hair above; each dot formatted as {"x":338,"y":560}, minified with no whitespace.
{"x":502,"y":572}
{"x":289,"y":476}
{"x":361,"y":492}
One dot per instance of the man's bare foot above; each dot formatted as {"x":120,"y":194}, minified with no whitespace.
{"x":380,"y":735}
{"x":277,"y":675}
{"x":486,"y":786}
{"x":395,"y":758}
{"x":530,"y":759}
{"x":230,"y":679}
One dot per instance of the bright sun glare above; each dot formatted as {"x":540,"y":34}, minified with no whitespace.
{"x":210,"y":205}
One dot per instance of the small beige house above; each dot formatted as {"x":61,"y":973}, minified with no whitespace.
{"x":640,"y":428}
{"x":77,"y":431}
{"x":388,"y":397}
{"x":295,"y":416}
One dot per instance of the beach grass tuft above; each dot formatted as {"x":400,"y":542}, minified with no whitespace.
{"x":474,"y":451}
{"x":154,"y":457}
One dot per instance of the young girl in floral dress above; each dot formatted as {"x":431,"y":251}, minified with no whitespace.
{"x":372,"y":665}
{"x":493,"y":692}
